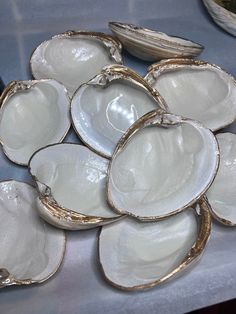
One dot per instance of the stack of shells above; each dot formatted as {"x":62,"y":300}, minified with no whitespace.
{"x":149,"y":172}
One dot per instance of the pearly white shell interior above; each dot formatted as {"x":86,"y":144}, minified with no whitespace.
{"x":72,"y":61}
{"x":161,"y":170}
{"x":76,"y":177}
{"x":30,"y":248}
{"x":205,"y":93}
{"x":221,"y":194}
{"x":133,"y":253}
{"x":32,"y":118}
{"x":101,"y":114}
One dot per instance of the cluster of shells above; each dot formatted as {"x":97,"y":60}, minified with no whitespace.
{"x":149,"y":171}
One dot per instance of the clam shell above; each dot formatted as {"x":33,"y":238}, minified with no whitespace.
{"x":162,"y":165}
{"x":106,"y":106}
{"x":221,"y":194}
{"x":74,"y":57}
{"x":135,"y":256}
{"x":32,"y":250}
{"x":71,"y":184}
{"x":32,"y":114}
{"x":151,"y":45}
{"x":196,"y":89}
{"x":224,"y":18}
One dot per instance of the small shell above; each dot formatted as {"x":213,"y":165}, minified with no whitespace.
{"x":32,"y":114}
{"x":71,"y":185}
{"x":222,"y":195}
{"x":74,"y":57}
{"x":151,"y":45}
{"x":31,"y":250}
{"x":106,"y":106}
{"x":135,"y":256}
{"x":162,"y":165}
{"x":224,"y":18}
{"x":196,"y":89}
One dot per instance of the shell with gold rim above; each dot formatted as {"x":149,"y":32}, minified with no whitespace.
{"x":136,"y":256}
{"x":32,"y":114}
{"x":74,"y":57}
{"x":106,"y":106}
{"x":71,"y":184}
{"x":196,"y":89}
{"x":151,"y":45}
{"x":31,"y":250}
{"x":162,"y":165}
{"x":221,"y":195}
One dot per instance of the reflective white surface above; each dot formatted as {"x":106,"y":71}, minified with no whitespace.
{"x":102,"y":114}
{"x":134,"y":253}
{"x":221,"y":194}
{"x":24,"y":25}
{"x":161,"y":170}
{"x":76,"y":177}
{"x":31,"y":249}
{"x":33,"y":117}
{"x":72,"y":61}
{"x":202,"y":93}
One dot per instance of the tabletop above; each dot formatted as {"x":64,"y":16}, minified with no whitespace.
{"x":79,"y":287}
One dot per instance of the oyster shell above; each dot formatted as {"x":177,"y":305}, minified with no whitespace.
{"x":151,"y":45}
{"x":32,"y":114}
{"x":106,"y":106}
{"x":223,"y":17}
{"x":32,"y":250}
{"x":74,"y":57}
{"x":197,"y":90}
{"x":135,"y":256}
{"x":221,"y":194}
{"x":71,"y":185}
{"x":161,"y":165}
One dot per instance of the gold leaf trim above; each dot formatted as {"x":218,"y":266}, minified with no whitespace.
{"x":162,"y":119}
{"x":194,"y":254}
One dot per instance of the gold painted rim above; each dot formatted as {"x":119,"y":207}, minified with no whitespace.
{"x":151,"y":118}
{"x":204,"y":230}
{"x":108,"y":41}
{"x":62,"y":213}
{"x":157,"y":69}
{"x":15,"y":86}
{"x":135,"y":30}
{"x":114,"y":73}
{"x":223,"y":221}
{"x":11,"y":280}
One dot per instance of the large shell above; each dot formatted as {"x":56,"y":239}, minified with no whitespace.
{"x":197,"y":90}
{"x":71,"y":185}
{"x":105,"y":107}
{"x":162,"y":165}
{"x":136,"y":256}
{"x":222,"y":193}
{"x":32,"y":114}
{"x":223,"y":17}
{"x":31,"y":250}
{"x":74,"y":57}
{"x":151,"y":45}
